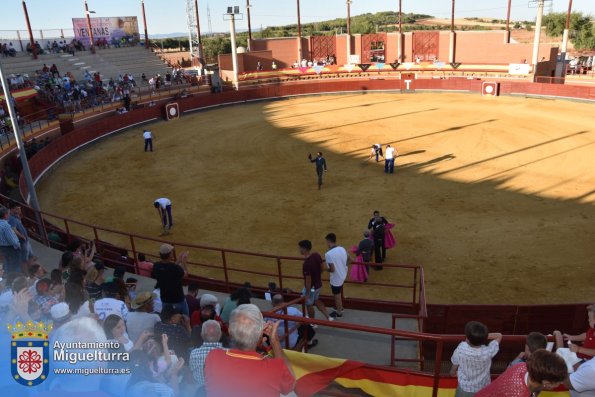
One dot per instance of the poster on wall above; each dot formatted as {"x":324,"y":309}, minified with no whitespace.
{"x":519,"y":68}
{"x":112,"y":29}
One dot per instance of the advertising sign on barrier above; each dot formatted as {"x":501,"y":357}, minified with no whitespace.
{"x":490,"y":88}
{"x":407,"y":82}
{"x":519,"y":68}
{"x":172,"y":111}
{"x":112,"y":29}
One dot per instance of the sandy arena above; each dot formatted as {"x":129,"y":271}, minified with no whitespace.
{"x":493,"y":197}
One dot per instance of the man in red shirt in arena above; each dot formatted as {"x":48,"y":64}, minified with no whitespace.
{"x":241,"y":371}
{"x":543,"y":371}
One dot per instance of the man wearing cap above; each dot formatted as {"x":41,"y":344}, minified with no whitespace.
{"x":163,"y":206}
{"x":142,"y":317}
{"x":111,"y":303}
{"x":60,"y":313}
{"x":170,"y":276}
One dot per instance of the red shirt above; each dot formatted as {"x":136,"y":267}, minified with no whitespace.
{"x":247,"y":374}
{"x":511,"y":383}
{"x":589,"y":343}
{"x":145,"y":268}
{"x":313,"y":267}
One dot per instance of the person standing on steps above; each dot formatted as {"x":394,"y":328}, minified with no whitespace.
{"x":163,"y":206}
{"x":337,"y":263}
{"x":320,"y":166}
{"x":148,"y":136}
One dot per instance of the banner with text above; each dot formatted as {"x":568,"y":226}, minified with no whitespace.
{"x":112,"y":29}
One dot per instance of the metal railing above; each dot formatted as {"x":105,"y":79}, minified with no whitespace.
{"x":221,"y":268}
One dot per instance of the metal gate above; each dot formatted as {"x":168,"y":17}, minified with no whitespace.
{"x":373,"y":47}
{"x":322,"y":47}
{"x":425,"y":45}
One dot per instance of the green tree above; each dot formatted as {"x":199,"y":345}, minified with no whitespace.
{"x":582,"y":33}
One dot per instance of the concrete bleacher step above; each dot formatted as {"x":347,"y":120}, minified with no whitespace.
{"x":109,"y":62}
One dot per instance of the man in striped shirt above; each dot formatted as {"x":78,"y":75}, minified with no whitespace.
{"x":9,"y":243}
{"x":211,"y":335}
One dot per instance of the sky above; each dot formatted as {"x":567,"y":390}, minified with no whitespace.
{"x":169,"y":16}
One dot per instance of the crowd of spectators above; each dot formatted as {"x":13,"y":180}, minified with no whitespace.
{"x":184,"y":343}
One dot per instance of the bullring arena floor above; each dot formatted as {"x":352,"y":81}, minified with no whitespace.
{"x":494,"y":197}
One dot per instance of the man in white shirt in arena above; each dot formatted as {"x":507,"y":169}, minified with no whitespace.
{"x":337,"y":261}
{"x":389,"y":159}
{"x":163,"y":206}
{"x":148,"y":136}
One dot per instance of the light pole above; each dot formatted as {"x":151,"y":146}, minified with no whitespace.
{"x":299,"y":27}
{"x":536,"y":41}
{"x":508,"y":22}
{"x":198,"y":35}
{"x":232,"y":14}
{"x":87,"y":13}
{"x":349,"y":30}
{"x":453,"y":37}
{"x":31,"y":40}
{"x":567,"y":29}
{"x":22,"y":154}
{"x":142,"y":3}
{"x":248,"y":6}
{"x":401,"y":41}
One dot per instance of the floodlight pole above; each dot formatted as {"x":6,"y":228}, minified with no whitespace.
{"x":348,"y":29}
{"x":249,"y":22}
{"x":32,"y":41}
{"x":299,"y":32}
{"x":536,"y":41}
{"x":508,"y":22}
{"x":401,"y":41}
{"x":453,"y":37}
{"x":234,"y":51}
{"x":198,"y":35}
{"x":22,"y":153}
{"x":92,"y":47}
{"x":142,"y":3}
{"x":567,"y":29}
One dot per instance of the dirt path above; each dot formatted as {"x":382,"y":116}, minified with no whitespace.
{"x":493,"y":197}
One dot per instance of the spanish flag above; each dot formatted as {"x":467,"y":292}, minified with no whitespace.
{"x":314,"y":373}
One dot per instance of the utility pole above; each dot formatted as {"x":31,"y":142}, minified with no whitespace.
{"x":348,"y":30}
{"x":508,"y":22}
{"x":198,"y":35}
{"x":453,"y":35}
{"x":142,"y":3}
{"x":31,"y":40}
{"x":92,"y":42}
{"x":249,"y":22}
{"x":232,"y":12}
{"x":567,"y":29}
{"x":299,"y":26}
{"x":536,"y":41}
{"x":401,"y":37}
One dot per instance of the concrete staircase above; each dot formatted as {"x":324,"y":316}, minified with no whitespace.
{"x":109,"y":63}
